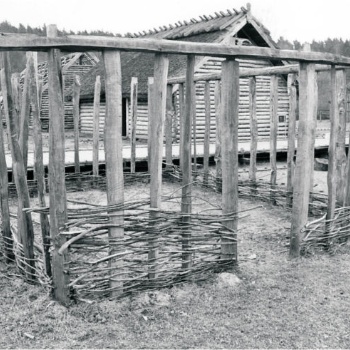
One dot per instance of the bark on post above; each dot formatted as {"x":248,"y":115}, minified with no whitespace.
{"x":291,"y":137}
{"x":16,"y":98}
{"x":273,"y":134}
{"x":168,"y":127}
{"x":206,"y":133}
{"x":133,"y":102}
{"x":114,"y":163}
{"x":303,"y":165}
{"x":218,"y":135}
{"x":57,"y":185}
{"x":76,"y":117}
{"x":229,"y":144}
{"x":253,"y":133}
{"x":186,"y":203}
{"x":161,"y":65}
{"x":96,"y":127}
{"x":150,"y":116}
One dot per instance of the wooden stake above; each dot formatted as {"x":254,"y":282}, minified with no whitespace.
{"x":150,"y":116}
{"x":133,"y":99}
{"x":57,"y":185}
{"x":253,"y":132}
{"x":303,"y":165}
{"x":96,"y":127}
{"x":291,"y":137}
{"x":182,"y":114}
{"x":114,"y":161}
{"x":229,"y":144}
{"x":206,"y":133}
{"x":186,"y":203}
{"x":218,"y":135}
{"x":168,"y":127}
{"x":76,"y":117}
{"x":273,"y":134}
{"x":161,"y":65}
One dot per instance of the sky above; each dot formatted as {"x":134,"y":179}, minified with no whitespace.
{"x":302,"y":20}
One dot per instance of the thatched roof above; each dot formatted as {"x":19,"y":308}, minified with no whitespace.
{"x":208,"y":29}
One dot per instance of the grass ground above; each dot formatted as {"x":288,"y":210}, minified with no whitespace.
{"x":278,"y":303}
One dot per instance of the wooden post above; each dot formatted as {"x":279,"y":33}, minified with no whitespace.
{"x":303,"y":165}
{"x":133,"y":100}
{"x":16,"y":98}
{"x":218,"y":135}
{"x":39,"y":165}
{"x":331,"y":178}
{"x":229,"y":144}
{"x":273,"y":134}
{"x":25,"y":112}
{"x":96,"y":127}
{"x":25,"y":224}
{"x":5,"y":211}
{"x":150,"y":116}
{"x":57,"y":185}
{"x":76,"y":117}
{"x":114,"y":162}
{"x":194,"y":134}
{"x":182,"y":113}
{"x":340,"y":154}
{"x":253,"y":133}
{"x":168,"y":127}
{"x":291,"y":137}
{"x":161,"y":65}
{"x":186,"y":203}
{"x":206,"y":133}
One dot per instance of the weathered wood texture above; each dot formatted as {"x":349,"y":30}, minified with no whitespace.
{"x":303,"y":161}
{"x":58,"y":203}
{"x":96,"y":126}
{"x":133,"y":117}
{"x":181,"y":109}
{"x":253,"y":130}
{"x":273,"y":134}
{"x":76,"y":118}
{"x":114,"y":162}
{"x":218,"y":172}
{"x":150,"y":93}
{"x":207,"y":133}
{"x":229,"y":146}
{"x":169,"y":127}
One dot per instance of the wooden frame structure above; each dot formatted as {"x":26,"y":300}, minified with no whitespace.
{"x":228,"y":118}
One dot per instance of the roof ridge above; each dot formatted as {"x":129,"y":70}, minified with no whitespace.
{"x":184,"y":23}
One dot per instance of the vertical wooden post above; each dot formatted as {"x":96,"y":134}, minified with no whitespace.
{"x":25,"y":113}
{"x":96,"y":127}
{"x":291,"y":136}
{"x":206,"y":133}
{"x":161,"y":65}
{"x":340,"y":154}
{"x":5,"y":211}
{"x":16,"y":98}
{"x":76,"y":117}
{"x":186,"y":202}
{"x":133,"y":102}
{"x":273,"y":134}
{"x":331,"y":179}
{"x":194,"y":134}
{"x":229,"y":144}
{"x":218,"y":135}
{"x":39,"y":165}
{"x":150,"y":116}
{"x":25,"y":224}
{"x":168,"y":127}
{"x":303,"y":165}
{"x":182,"y":114}
{"x":253,"y":132}
{"x":57,"y":185}
{"x":114,"y":162}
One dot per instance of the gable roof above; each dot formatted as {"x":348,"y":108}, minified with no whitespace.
{"x":207,"y":29}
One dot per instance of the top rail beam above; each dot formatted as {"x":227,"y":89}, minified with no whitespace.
{"x":91,"y":43}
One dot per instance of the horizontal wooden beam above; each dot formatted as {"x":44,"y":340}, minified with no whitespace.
{"x":88,"y":43}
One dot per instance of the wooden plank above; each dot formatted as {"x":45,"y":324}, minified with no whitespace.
{"x":229,"y":146}
{"x":253,"y":132}
{"x":159,"y":102}
{"x":78,"y":43}
{"x":181,"y":115}
{"x":114,"y":163}
{"x":58,"y":203}
{"x":76,"y":119}
{"x":168,"y":127}
{"x":291,"y":137}
{"x":39,"y":169}
{"x":96,"y":126}
{"x":273,"y":135}
{"x":340,"y":155}
{"x":331,"y":179}
{"x":24,"y":221}
{"x":133,"y":117}
{"x":217,"y":156}
{"x":186,"y":202}
{"x":206,"y":133}
{"x":303,"y":165}
{"x":150,"y":93}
